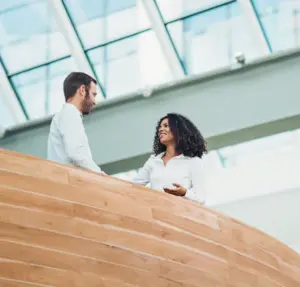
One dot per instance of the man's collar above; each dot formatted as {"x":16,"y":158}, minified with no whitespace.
{"x":74,"y":107}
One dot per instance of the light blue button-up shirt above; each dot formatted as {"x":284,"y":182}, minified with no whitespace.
{"x":67,"y":141}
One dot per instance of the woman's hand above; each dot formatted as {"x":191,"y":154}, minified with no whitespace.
{"x":177,"y":190}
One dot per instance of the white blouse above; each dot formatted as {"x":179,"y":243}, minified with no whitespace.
{"x":183,"y":170}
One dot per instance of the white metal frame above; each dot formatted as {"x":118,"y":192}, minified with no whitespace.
{"x":254,"y":26}
{"x":9,"y":97}
{"x":69,"y":33}
{"x":159,"y":28}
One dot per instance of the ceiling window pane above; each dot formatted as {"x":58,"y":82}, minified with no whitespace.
{"x":33,"y":39}
{"x":211,"y":39}
{"x":12,"y":4}
{"x":174,"y":9}
{"x":101,"y":21}
{"x":130,"y":64}
{"x":280,"y":20}
{"x":41,"y":89}
{"x":6,"y":118}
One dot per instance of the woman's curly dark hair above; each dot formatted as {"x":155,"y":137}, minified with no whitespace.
{"x":189,"y":140}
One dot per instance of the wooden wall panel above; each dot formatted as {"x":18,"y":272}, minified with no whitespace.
{"x":62,"y":226}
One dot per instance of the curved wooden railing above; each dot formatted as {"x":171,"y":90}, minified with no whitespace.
{"x":61,"y":226}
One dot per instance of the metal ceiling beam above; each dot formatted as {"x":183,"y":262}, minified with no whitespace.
{"x":70,"y":34}
{"x":254,"y":26}
{"x":10,"y":98}
{"x":164,"y":39}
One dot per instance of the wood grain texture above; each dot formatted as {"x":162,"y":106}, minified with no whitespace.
{"x":62,"y":226}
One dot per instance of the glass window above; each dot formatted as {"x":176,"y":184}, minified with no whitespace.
{"x":12,"y":4}
{"x":174,"y":9}
{"x":280,"y":20}
{"x":130,"y":64}
{"x":33,"y":39}
{"x":210,"y":40}
{"x":6,"y":118}
{"x":101,"y":21}
{"x":41,"y":89}
{"x":256,"y":168}
{"x":248,"y":151}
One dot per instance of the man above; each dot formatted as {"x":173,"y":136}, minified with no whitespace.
{"x":67,"y":142}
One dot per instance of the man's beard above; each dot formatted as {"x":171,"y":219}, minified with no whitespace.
{"x":86,"y":107}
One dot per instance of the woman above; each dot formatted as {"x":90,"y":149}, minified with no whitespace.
{"x":176,"y":166}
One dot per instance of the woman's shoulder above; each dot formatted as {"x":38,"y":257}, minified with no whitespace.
{"x":193,"y":158}
{"x":156,"y":156}
{"x":152,"y":158}
{"x":195,"y":161}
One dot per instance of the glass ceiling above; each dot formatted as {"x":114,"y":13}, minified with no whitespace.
{"x":123,"y":47}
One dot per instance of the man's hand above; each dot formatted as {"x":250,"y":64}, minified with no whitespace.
{"x":178,"y":190}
